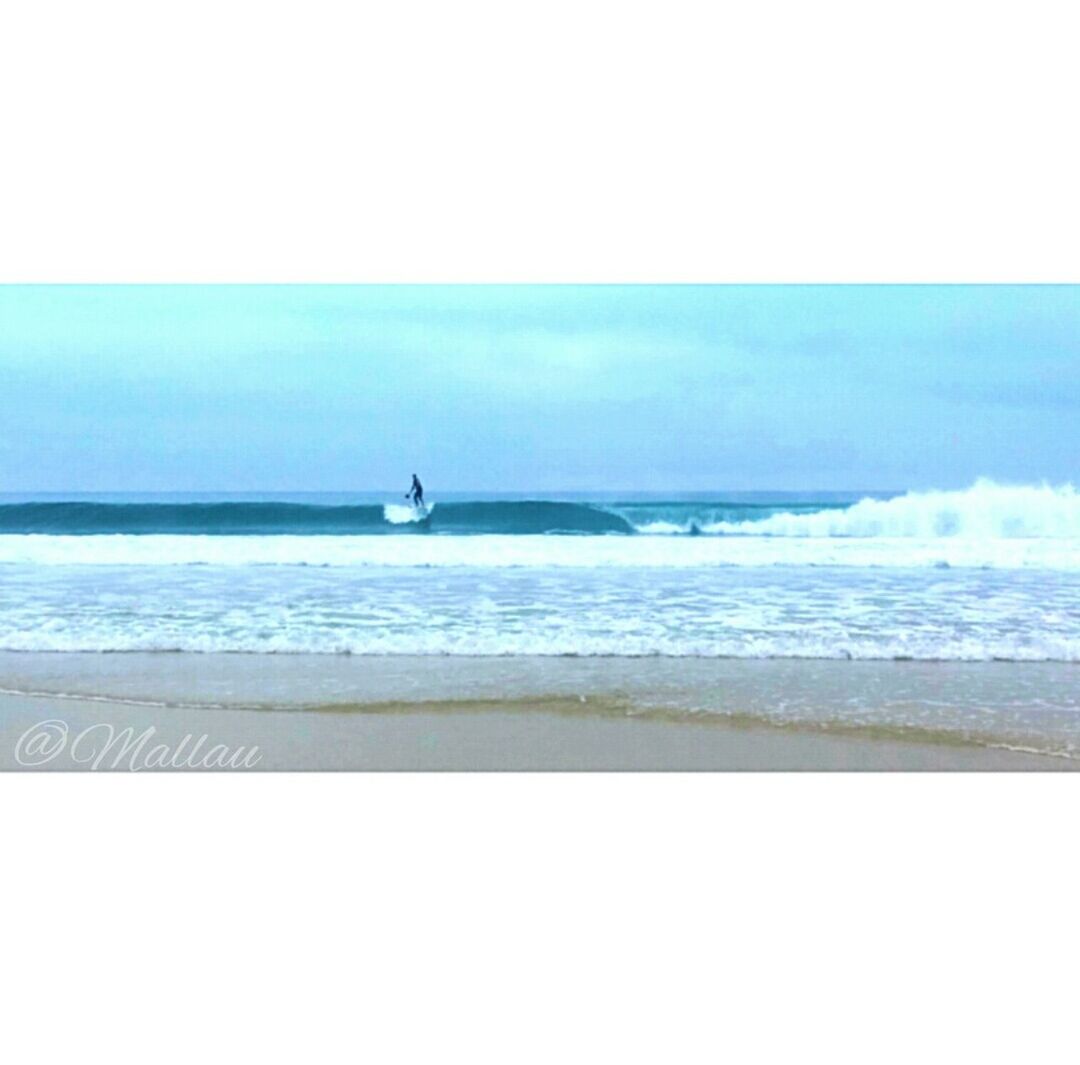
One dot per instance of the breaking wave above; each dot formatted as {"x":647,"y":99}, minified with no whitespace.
{"x":508,"y":517}
{"x":986,"y":511}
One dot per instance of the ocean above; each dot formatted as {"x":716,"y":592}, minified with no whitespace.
{"x":989,"y":574}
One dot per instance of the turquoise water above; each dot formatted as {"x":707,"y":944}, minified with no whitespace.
{"x":988,"y":573}
{"x":335,"y":515}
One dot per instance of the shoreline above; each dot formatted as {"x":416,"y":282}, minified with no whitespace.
{"x":311,"y":712}
{"x":540,"y":737}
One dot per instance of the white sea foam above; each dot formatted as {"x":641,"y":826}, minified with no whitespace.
{"x":986,"y":511}
{"x":399,"y":514}
{"x":496,"y":643}
{"x":498,"y":551}
{"x":664,"y":528}
{"x":879,"y":613}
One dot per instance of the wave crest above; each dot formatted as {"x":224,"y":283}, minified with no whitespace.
{"x":400,"y":514}
{"x":985,"y":511}
{"x":510,"y":517}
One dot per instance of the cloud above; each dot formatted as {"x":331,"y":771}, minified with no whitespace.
{"x":1035,"y":387}
{"x":321,"y":387}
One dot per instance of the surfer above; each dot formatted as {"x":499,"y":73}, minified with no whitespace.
{"x":416,"y":493}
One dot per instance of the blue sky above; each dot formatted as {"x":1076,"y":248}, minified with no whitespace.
{"x":536,"y":388}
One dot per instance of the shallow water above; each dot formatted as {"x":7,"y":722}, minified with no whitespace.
{"x":751,"y":612}
{"x":722,"y":605}
{"x":1027,"y":706}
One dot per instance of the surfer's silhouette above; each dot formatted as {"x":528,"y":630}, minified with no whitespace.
{"x":416,"y":493}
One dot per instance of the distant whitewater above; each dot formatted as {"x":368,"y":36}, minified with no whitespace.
{"x":986,"y":511}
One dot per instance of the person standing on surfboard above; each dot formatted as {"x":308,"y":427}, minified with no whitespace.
{"x":416,"y":493}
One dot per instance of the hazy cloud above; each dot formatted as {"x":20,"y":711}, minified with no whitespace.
{"x":499,"y":387}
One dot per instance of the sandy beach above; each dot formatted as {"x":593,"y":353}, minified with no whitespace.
{"x":464,"y":738}
{"x":351,"y":713}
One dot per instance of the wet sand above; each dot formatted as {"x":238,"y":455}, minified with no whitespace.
{"x":424,"y":737}
{"x":310,"y":712}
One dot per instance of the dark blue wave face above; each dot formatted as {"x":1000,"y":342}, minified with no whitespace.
{"x":339,"y":517}
{"x":263,"y":519}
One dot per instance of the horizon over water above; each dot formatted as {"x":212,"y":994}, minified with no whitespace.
{"x":985,"y":511}
{"x":816,"y":578}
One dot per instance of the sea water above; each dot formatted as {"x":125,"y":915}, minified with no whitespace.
{"x":989,"y":573}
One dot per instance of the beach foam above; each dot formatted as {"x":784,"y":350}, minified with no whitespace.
{"x":992,"y":572}
{"x":782,"y":612}
{"x":499,"y":551}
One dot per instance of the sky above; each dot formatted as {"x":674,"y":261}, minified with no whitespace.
{"x":536,"y":388}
